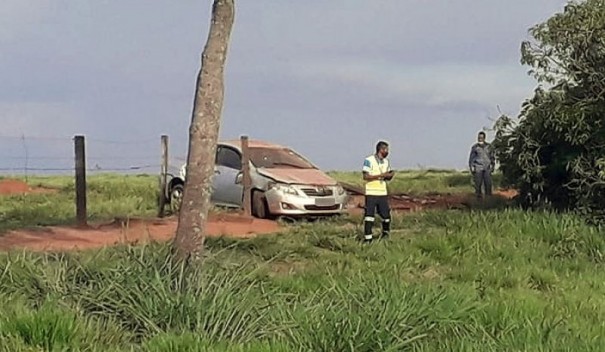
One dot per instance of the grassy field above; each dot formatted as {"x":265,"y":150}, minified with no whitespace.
{"x":495,"y":281}
{"x":108,"y":196}
{"x":111,"y":195}
{"x":421,"y":181}
{"x":502,"y":280}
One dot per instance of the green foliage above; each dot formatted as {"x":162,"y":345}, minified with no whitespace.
{"x":445,"y":281}
{"x":555,"y":152}
{"x":52,"y":327}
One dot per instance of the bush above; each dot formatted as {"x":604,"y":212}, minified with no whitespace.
{"x":555,"y":152}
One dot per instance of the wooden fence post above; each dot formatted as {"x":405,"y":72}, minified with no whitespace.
{"x":163,"y":175}
{"x":80,"y":155}
{"x":246,"y":179}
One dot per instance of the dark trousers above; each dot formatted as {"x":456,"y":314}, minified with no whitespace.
{"x":483,"y":178}
{"x":380,"y":203}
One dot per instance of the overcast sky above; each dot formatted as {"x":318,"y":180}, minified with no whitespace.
{"x":328,"y":78}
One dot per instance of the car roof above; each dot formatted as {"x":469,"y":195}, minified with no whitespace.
{"x":252,"y":143}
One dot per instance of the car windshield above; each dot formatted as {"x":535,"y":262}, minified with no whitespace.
{"x":274,"y":158}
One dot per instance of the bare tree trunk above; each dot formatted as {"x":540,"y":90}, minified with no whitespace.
{"x":203,"y":135}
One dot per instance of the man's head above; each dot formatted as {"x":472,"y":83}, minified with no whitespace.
{"x":481,"y":137}
{"x":382,"y":149}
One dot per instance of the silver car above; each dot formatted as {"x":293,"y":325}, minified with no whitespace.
{"x":284,"y":183}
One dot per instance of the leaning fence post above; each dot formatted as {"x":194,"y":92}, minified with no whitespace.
{"x":163,"y":175}
{"x":80,"y":156}
{"x":247,"y":181}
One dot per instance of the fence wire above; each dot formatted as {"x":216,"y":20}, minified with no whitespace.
{"x":55,"y":154}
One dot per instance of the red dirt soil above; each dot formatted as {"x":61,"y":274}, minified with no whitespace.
{"x":411,"y":204}
{"x":17,"y":187}
{"x":405,"y":203}
{"x":507,"y":193}
{"x":127,"y":231}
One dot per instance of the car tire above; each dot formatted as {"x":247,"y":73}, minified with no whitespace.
{"x":176,"y":198}
{"x":259,"y":205}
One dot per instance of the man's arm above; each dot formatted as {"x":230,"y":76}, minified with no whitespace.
{"x":471,"y":159}
{"x":367,"y":167}
{"x":390,"y":173}
{"x":368,"y":177}
{"x":492,"y":159}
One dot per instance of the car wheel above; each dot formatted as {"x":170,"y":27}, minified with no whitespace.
{"x":259,"y":205}
{"x":176,"y":198}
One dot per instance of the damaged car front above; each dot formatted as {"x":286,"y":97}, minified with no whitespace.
{"x":294,"y":186}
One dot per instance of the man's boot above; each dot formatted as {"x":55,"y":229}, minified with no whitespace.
{"x":386,"y":229}
{"x":368,"y":224}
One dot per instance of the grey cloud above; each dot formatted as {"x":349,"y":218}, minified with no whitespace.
{"x":327,"y":77}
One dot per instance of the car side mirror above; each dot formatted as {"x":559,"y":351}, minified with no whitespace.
{"x":238,"y":178}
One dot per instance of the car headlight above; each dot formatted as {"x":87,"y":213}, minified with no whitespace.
{"x":340,"y":190}
{"x":280,"y":187}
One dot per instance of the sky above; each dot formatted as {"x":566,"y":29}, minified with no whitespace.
{"x":327,"y":78}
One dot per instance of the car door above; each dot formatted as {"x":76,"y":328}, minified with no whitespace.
{"x":227,"y":190}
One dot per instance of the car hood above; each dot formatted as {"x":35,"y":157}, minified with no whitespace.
{"x":299,"y":176}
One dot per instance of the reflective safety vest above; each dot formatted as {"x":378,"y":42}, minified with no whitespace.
{"x":376,"y":166}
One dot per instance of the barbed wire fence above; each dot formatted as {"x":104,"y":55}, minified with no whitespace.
{"x":80,"y":156}
{"x":54,"y":155}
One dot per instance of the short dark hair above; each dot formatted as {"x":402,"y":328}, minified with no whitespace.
{"x":380,"y":145}
{"x":481,"y":134}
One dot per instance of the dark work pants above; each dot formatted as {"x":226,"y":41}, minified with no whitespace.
{"x":380,"y":203}
{"x":483,"y":178}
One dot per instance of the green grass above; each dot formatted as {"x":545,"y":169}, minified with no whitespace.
{"x":455,"y":281}
{"x":112,"y":195}
{"x":420,"y":182}
{"x":108,"y":196}
{"x":499,"y":280}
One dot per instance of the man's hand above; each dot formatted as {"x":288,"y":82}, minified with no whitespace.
{"x":389,"y":175}
{"x":384,"y":176}
{"x":473,"y":170}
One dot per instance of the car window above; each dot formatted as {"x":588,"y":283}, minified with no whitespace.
{"x":229,"y":158}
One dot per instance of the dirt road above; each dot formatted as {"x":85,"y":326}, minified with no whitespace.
{"x":123,"y":231}
{"x":17,"y":187}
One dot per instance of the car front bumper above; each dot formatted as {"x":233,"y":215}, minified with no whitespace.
{"x":286,"y":204}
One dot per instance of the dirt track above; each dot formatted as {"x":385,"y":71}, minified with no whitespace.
{"x":122,"y":231}
{"x":406,"y":203}
{"x":16,"y":187}
{"x":132,"y":231}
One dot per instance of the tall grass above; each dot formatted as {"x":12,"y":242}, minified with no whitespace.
{"x":473,"y":281}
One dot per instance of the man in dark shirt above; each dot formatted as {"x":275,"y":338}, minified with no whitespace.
{"x":482,"y":163}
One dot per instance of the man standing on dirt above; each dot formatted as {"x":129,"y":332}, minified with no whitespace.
{"x":376,"y":172}
{"x":482,"y":163}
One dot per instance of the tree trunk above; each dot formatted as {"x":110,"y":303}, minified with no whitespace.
{"x":203,"y":135}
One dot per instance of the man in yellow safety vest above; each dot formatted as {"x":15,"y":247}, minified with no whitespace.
{"x":376,"y":172}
